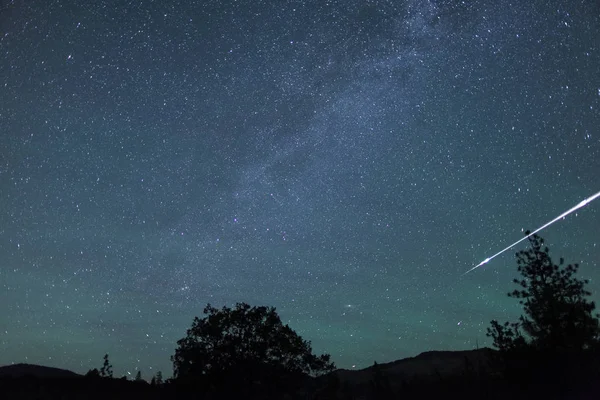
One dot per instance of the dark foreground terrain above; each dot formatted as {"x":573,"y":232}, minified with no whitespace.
{"x":477,"y":374}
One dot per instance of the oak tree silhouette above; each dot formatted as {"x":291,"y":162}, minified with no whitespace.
{"x":245,"y":347}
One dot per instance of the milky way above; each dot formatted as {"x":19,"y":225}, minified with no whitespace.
{"x":342,"y":161}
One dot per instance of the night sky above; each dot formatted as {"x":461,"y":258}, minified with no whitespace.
{"x":343,"y":161}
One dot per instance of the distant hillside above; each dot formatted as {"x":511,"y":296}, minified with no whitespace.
{"x":431,"y":375}
{"x":428,"y":365}
{"x":38,"y":371}
{"x":36,"y":382}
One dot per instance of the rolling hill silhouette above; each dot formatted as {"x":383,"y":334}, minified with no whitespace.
{"x":425,"y":366}
{"x":37,"y":371}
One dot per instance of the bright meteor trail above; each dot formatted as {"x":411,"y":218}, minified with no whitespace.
{"x":569,"y":211}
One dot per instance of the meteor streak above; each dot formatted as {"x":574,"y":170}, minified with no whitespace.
{"x":569,"y":211}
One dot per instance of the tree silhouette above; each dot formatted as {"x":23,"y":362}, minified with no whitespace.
{"x":380,"y":384}
{"x":245,"y":347}
{"x":93,"y":373}
{"x":157,"y":379}
{"x":558,"y":315}
{"x":138,"y":376}
{"x":106,"y":370}
{"x":507,"y":336}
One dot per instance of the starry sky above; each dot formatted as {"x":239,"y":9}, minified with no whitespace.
{"x":343,"y":161}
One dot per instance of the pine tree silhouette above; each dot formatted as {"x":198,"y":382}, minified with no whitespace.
{"x":380,"y":384}
{"x":552,"y":338}
{"x":106,"y":370}
{"x":557,"y":314}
